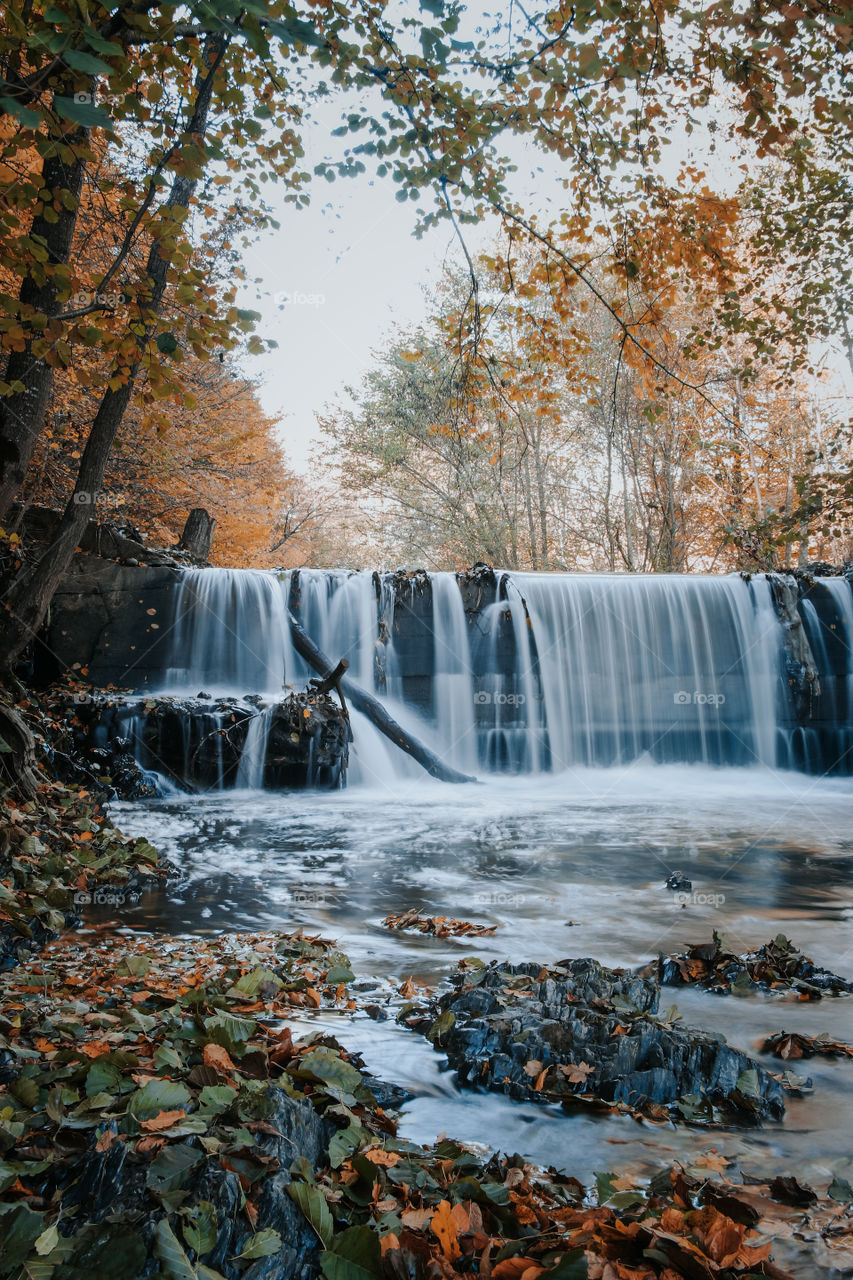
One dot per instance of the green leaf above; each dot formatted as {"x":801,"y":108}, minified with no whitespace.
{"x":201,"y":1228}
{"x":19,"y":1230}
{"x":47,"y":1241}
{"x":81,"y":61}
{"x":133,"y":966}
{"x":572,"y":1266}
{"x":295,"y":31}
{"x":83,"y":112}
{"x":441,"y":1025}
{"x":167,"y":343}
{"x":340,"y":973}
{"x":324,"y":1065}
{"x":262,"y":1245}
{"x":167,"y":1249}
{"x":840,"y":1189}
{"x":29,"y":119}
{"x":229,"y":1031}
{"x":312,"y":1202}
{"x":102,"y":1077}
{"x":158,"y":1095}
{"x":169,"y":1169}
{"x":344,"y":1142}
{"x":356,"y":1256}
{"x":747,"y":1083}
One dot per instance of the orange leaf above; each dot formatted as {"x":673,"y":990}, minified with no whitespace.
{"x":517,"y":1269}
{"x":146,"y":1144}
{"x":416,"y":1219}
{"x":162,"y":1120}
{"x":217,"y":1057}
{"x":95,"y":1049}
{"x":43,"y":1044}
{"x":444,"y":1228}
{"x":385,"y":1158}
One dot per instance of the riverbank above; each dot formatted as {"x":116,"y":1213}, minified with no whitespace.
{"x":159,"y":1111}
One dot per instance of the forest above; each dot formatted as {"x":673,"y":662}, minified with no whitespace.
{"x":363,"y":817}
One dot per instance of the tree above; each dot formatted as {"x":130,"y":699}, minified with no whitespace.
{"x":218,"y":94}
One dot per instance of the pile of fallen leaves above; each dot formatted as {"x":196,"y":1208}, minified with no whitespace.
{"x":776,"y":967}
{"x":791,"y":1044}
{"x":164,"y":1052}
{"x":439,"y":926}
{"x":137,"y":1071}
{"x":56,"y":851}
{"x":59,"y":848}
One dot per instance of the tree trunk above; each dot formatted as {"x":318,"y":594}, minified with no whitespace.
{"x":374,"y":710}
{"x":198,"y":534}
{"x":26,"y":603}
{"x":18,"y":768}
{"x":22,"y":414}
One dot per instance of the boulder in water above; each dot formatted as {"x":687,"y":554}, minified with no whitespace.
{"x":579,"y":1033}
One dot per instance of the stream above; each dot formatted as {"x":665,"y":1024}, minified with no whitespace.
{"x":568,"y":864}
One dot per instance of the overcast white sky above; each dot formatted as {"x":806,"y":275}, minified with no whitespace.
{"x":351,"y":268}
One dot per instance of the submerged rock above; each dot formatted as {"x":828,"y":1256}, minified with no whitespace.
{"x":577,"y":1031}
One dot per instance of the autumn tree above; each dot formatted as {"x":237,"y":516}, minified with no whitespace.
{"x":216,"y":95}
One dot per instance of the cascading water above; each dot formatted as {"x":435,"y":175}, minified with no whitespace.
{"x":231,"y":633}
{"x":541,"y":672}
{"x":609,"y":669}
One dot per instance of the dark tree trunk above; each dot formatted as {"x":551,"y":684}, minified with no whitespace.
{"x":198,"y":534}
{"x":22,"y":414}
{"x":374,"y":710}
{"x":26,"y":603}
{"x":18,"y":768}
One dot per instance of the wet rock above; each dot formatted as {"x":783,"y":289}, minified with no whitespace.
{"x":578,"y":1030}
{"x":376,"y":1012}
{"x":800,"y":665}
{"x":679,"y":882}
{"x":199,"y":743}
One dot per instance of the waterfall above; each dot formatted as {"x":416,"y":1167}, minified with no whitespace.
{"x":230,"y":634}
{"x":534,"y":672}
{"x":250,"y":771}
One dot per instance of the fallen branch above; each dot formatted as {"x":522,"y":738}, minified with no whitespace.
{"x":373,"y":709}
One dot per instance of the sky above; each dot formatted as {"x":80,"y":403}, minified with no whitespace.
{"x":337,"y":276}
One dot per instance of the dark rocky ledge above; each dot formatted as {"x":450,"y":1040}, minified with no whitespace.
{"x":581,"y":1034}
{"x":199,"y":743}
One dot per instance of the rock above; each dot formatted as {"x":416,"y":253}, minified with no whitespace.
{"x":800,"y":664}
{"x":200,"y":742}
{"x":679,"y":882}
{"x":578,"y":1029}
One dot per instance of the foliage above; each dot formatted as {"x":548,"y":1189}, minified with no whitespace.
{"x":58,"y":846}
{"x":539,"y":437}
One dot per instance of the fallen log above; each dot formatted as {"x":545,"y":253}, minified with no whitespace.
{"x":373,"y":709}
